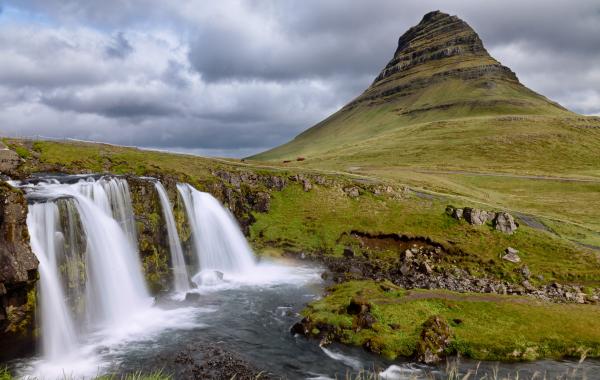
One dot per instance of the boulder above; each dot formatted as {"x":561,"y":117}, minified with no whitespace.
{"x":505,"y":222}
{"x":434,"y":340}
{"x":511,"y":255}
{"x":475,"y":216}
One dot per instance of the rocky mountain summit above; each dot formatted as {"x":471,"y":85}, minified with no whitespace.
{"x":440,"y":48}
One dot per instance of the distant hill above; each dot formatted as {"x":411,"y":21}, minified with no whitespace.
{"x":443,"y":102}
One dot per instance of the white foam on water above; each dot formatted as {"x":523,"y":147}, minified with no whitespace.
{"x":406,"y":371}
{"x":347,"y":360}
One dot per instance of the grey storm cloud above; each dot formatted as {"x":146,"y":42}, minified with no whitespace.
{"x":119,"y":46}
{"x":236,"y":77}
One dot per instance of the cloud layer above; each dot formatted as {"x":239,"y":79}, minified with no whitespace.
{"x":236,"y":77}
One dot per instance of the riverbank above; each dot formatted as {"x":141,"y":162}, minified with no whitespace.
{"x":429,"y":325}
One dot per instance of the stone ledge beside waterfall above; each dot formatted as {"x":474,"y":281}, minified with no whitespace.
{"x":18,"y":275}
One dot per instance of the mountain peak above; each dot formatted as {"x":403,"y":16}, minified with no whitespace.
{"x":436,"y":37}
{"x":440,"y":71}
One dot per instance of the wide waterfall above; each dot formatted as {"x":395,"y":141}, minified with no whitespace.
{"x":58,"y":337}
{"x":218,"y":240}
{"x":115,"y":287}
{"x":181,"y":281}
{"x":113,"y":281}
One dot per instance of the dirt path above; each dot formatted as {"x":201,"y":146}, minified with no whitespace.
{"x":508,"y":175}
{"x":432,"y":294}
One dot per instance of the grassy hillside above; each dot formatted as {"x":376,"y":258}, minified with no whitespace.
{"x":446,"y":118}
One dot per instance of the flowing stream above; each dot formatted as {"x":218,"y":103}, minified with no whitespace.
{"x":96,"y":315}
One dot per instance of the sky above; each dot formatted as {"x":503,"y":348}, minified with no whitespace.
{"x":233,"y":78}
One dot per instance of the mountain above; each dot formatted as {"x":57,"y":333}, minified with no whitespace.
{"x":442,"y":101}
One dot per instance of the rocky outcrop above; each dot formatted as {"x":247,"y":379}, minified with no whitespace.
{"x":505,"y":222}
{"x":502,"y":221}
{"x":425,"y":266}
{"x":9,"y":160}
{"x":18,"y":275}
{"x":433,"y":340}
{"x":151,"y":233}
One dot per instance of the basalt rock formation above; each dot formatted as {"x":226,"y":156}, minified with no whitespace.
{"x":18,"y":274}
{"x":440,"y":48}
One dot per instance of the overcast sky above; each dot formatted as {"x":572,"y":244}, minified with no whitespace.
{"x":236,"y":77}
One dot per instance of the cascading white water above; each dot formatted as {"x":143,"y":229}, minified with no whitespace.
{"x":181,"y":281}
{"x":218,"y":240}
{"x":115,"y":286}
{"x":113,"y":197}
{"x":58,"y":337}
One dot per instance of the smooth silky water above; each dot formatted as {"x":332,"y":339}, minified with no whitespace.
{"x":245,"y":305}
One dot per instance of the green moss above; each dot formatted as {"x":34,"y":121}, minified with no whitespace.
{"x":22,"y":152}
{"x":156,"y":267}
{"x":483,"y":326}
{"x":21,"y":320}
{"x":5,"y":374}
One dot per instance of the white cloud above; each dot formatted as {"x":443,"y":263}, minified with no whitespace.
{"x":237,"y":77}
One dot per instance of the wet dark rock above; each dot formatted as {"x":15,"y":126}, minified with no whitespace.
{"x":192,"y":297}
{"x":301,"y":328}
{"x":433,"y":340}
{"x":211,"y":361}
{"x":18,"y":276}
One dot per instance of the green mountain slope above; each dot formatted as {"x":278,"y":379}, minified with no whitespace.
{"x":443,"y":102}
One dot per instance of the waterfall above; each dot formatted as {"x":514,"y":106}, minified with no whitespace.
{"x":181,"y":282}
{"x":58,"y":337}
{"x":113,"y":197}
{"x":218,"y":240}
{"x":114,"y":284}
{"x":115,"y":287}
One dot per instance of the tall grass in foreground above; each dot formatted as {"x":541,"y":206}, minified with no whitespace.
{"x":157,"y":375}
{"x":453,"y":372}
